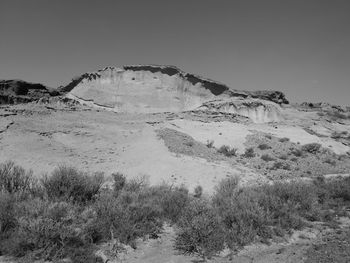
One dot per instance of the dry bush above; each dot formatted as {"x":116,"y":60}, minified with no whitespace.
{"x":210,"y":144}
{"x":264,"y":146}
{"x":267,"y":158}
{"x":311,"y":147}
{"x":249,"y":153}
{"x":284,"y":139}
{"x":200,"y":231}
{"x":68,"y":183}
{"x":227,"y":151}
{"x":14,"y":179}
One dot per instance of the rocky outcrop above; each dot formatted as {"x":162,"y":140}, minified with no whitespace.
{"x":19,"y":91}
{"x":150,"y":88}
{"x":259,"y":111}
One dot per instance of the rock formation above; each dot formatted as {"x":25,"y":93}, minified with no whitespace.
{"x":149,"y":88}
{"x":19,"y":91}
{"x":259,"y":111}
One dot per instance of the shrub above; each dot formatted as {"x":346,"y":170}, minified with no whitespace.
{"x":264,"y":146}
{"x":249,"y":153}
{"x":297,"y":152}
{"x":280,"y":165}
{"x":283,"y":157}
{"x":57,"y":232}
{"x":200,"y":231}
{"x":119,"y":181}
{"x":284,"y":139}
{"x":289,"y":203}
{"x":198,"y":191}
{"x":338,"y":188}
{"x":210,"y":144}
{"x":67,"y":183}
{"x":225,"y":190}
{"x":7,"y":215}
{"x":173,"y":202}
{"x":136,"y":184}
{"x":267,"y":158}
{"x":227,"y":151}
{"x":243,"y":219}
{"x":127,"y":216}
{"x":14,"y":179}
{"x":311,"y":147}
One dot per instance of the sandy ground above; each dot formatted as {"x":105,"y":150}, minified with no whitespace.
{"x":102,"y":141}
{"x":41,"y":137}
{"x":161,"y":250}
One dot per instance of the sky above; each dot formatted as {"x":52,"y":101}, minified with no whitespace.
{"x":300,"y":47}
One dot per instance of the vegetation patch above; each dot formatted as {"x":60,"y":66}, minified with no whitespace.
{"x":227,"y":151}
{"x":67,"y":224}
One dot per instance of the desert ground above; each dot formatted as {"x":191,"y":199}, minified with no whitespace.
{"x":172,"y":148}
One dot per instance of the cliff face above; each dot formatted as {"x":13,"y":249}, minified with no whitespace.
{"x":19,"y":91}
{"x":142,"y":90}
{"x":259,"y":111}
{"x":148,"y":88}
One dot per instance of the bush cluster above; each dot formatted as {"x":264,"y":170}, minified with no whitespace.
{"x":249,"y":153}
{"x":267,"y":158}
{"x":66,"y":214}
{"x":227,"y":151}
{"x":245,"y":215}
{"x":311,"y":147}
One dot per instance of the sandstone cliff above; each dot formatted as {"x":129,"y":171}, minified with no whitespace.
{"x":149,"y":88}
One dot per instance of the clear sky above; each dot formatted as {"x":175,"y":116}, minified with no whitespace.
{"x":301,"y":47}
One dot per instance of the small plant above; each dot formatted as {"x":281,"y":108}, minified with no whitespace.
{"x":294,"y":159}
{"x":283,"y":157}
{"x":311,"y":147}
{"x":280,"y":165}
{"x":119,"y":181}
{"x":210,"y":144}
{"x":173,"y":201}
{"x":264,"y":146}
{"x":297,"y":152}
{"x":227,"y":151}
{"x":198,"y":191}
{"x":267,"y":158}
{"x":14,"y":179}
{"x":249,"y":153}
{"x":67,"y":183}
{"x":200,"y":231}
{"x":284,"y":139}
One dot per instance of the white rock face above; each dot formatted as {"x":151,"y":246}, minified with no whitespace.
{"x":140,"y":91}
{"x":151,"y":89}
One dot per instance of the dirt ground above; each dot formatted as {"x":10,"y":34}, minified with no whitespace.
{"x":42,"y":136}
{"x":170,"y":148}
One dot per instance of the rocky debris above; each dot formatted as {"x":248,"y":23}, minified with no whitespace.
{"x":343,"y":137}
{"x":324,"y":106}
{"x":5,"y":124}
{"x":259,"y":111}
{"x":269,"y":95}
{"x":19,"y":91}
